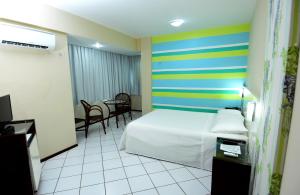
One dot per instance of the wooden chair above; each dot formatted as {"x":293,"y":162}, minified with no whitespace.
{"x":124,"y":107}
{"x":113,"y":113}
{"x":93,"y":114}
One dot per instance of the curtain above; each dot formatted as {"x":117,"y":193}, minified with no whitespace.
{"x":270,"y":113}
{"x":98,"y":75}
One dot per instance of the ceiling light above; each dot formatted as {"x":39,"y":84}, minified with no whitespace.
{"x":98,"y":45}
{"x":177,"y":22}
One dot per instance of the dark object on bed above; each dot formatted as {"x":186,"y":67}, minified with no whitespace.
{"x":92,"y":118}
{"x":233,"y":108}
{"x":230,"y":175}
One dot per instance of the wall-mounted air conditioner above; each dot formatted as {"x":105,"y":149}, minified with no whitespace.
{"x":26,"y":37}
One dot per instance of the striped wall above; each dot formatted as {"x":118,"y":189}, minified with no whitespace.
{"x":201,"y":70}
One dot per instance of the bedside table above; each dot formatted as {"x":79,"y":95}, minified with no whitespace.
{"x":231,"y":175}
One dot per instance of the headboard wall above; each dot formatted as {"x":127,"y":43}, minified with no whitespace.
{"x":200,"y":71}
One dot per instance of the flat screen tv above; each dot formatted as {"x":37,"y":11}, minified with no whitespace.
{"x":5,"y":110}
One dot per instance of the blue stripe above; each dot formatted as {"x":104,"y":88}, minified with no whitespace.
{"x":203,"y":42}
{"x":204,"y":83}
{"x":202,"y":63}
{"x":196,"y":102}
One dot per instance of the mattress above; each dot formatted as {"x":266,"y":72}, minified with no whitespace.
{"x":177,"y":136}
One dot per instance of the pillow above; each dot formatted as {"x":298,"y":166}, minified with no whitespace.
{"x":229,"y":122}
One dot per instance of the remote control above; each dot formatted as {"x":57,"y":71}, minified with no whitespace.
{"x":230,"y":154}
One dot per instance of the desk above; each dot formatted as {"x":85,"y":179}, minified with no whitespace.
{"x":20,"y":164}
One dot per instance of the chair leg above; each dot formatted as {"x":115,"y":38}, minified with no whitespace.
{"x":130,"y":115}
{"x":117,"y":121}
{"x":124,"y":118}
{"x":103,"y":125}
{"x":86,"y":129}
{"x":108,"y":122}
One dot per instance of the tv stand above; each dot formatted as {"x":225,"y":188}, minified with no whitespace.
{"x":20,"y":164}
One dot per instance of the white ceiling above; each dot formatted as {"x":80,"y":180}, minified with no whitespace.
{"x":141,"y":18}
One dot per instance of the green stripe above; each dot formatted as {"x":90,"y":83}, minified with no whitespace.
{"x":202,"y":33}
{"x":199,"y":76}
{"x":201,"y":71}
{"x":201,"y":51}
{"x":201,"y":56}
{"x":198,"y":91}
{"x":197,"y":95}
{"x":185,"y":109}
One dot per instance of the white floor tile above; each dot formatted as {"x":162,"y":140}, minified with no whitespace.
{"x":173,"y":189}
{"x":111,"y":164}
{"x":93,"y":145}
{"x":68,"y":192}
{"x":47,"y":187}
{"x":48,"y":174}
{"x":92,"y":167}
{"x":154,"y":167}
{"x":93,"y":190}
{"x":60,"y":156}
{"x":198,"y":173}
{"x":161,"y":179}
{"x":124,"y":154}
{"x":92,"y":178}
{"x":206,"y":181}
{"x":133,"y":160}
{"x":92,"y":158}
{"x":108,"y":143}
{"x":170,"y":165}
{"x":77,"y":160}
{"x":110,"y":155}
{"x":193,"y":187}
{"x":117,"y":187}
{"x":71,"y":170}
{"x":114,"y":174}
{"x":147,"y":192}
{"x":75,"y":152}
{"x":136,"y":170}
{"x":146,"y":159}
{"x":110,"y":148}
{"x":140,"y":183}
{"x":181,"y":175}
{"x":51,"y":164}
{"x":68,"y":183}
{"x":92,"y":151}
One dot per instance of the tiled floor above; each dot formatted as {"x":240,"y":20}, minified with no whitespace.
{"x":97,"y":167}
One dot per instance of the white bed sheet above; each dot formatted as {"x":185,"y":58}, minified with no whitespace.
{"x":177,"y":136}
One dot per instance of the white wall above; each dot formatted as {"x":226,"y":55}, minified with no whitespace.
{"x":291,"y":174}
{"x":51,"y":18}
{"x":257,"y":48}
{"x":146,"y":71}
{"x":40,"y":87}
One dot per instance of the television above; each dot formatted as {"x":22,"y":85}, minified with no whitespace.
{"x":5,"y":111}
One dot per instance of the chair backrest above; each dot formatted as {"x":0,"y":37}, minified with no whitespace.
{"x":86,"y":106}
{"x":125,"y":97}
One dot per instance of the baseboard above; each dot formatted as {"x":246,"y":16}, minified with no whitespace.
{"x":57,"y":153}
{"x":136,"y":110}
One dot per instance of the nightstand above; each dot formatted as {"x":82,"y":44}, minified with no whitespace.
{"x":231,"y":175}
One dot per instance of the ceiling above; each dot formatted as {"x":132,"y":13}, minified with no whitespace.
{"x":85,"y":42}
{"x":142,"y":18}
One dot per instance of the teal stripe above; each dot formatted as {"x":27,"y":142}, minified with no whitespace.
{"x":202,"y":71}
{"x":201,"y":51}
{"x":185,"y":109}
{"x":198,"y":91}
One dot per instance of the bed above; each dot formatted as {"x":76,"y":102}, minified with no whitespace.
{"x":177,"y":136}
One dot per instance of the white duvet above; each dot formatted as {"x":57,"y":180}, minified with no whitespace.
{"x":178,"y":136}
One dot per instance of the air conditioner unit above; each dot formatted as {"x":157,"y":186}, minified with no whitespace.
{"x":26,"y":37}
